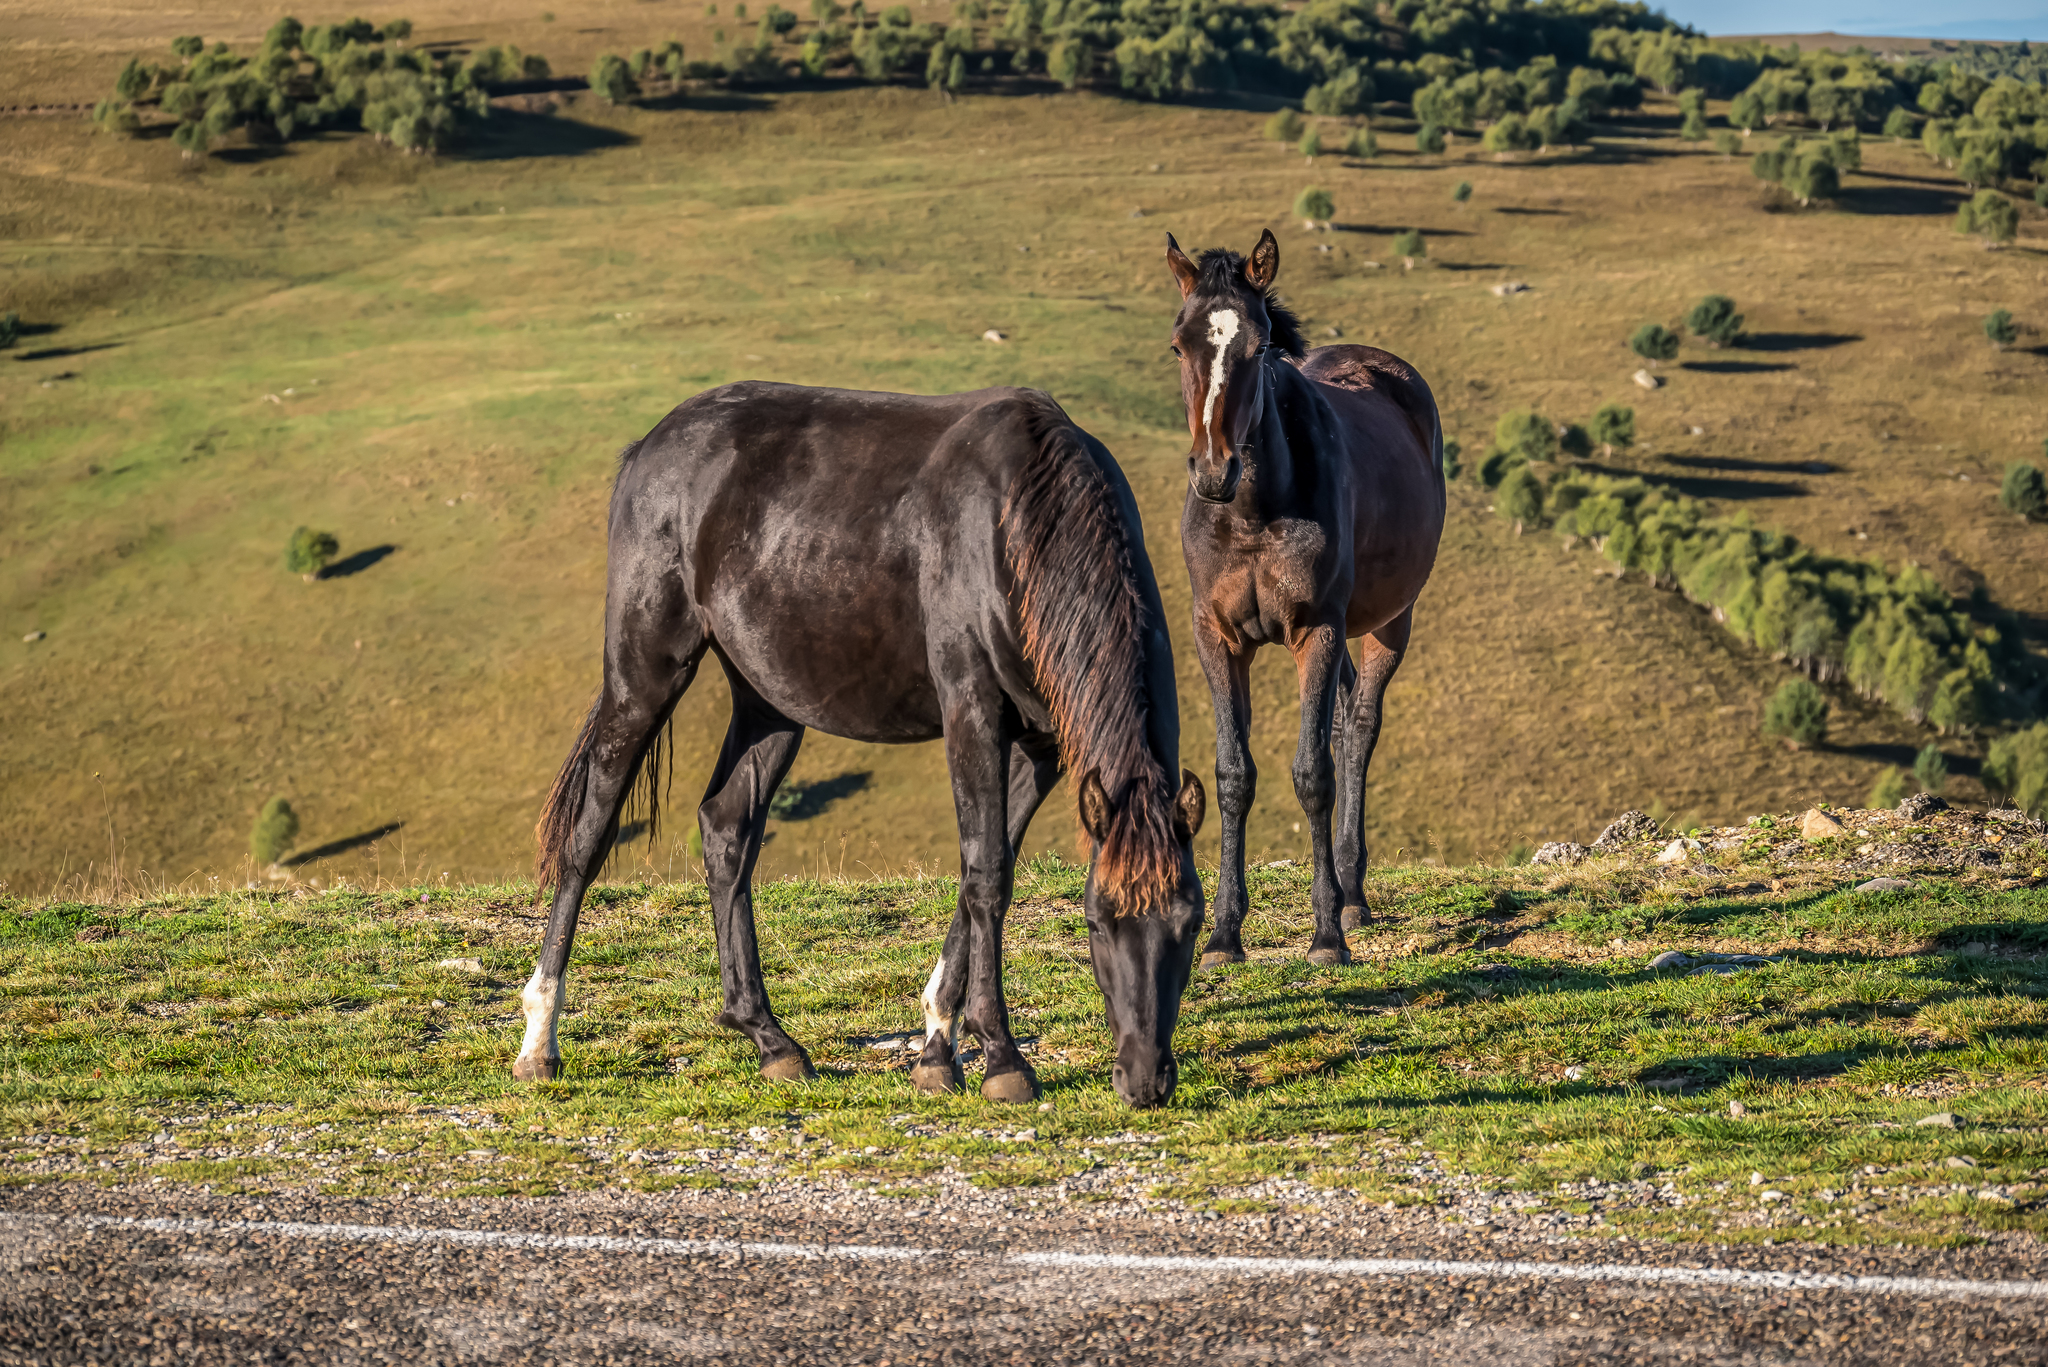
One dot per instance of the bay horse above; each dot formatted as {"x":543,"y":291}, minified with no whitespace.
{"x":895,"y":568}
{"x":1315,"y":504}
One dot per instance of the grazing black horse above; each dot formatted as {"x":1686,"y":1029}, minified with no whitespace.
{"x":895,"y":568}
{"x":1315,"y":504}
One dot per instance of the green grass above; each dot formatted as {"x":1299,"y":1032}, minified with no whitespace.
{"x":324,"y":1022}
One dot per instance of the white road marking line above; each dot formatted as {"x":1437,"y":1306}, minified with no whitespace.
{"x":1250,"y":1267}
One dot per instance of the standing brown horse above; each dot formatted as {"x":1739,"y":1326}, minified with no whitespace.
{"x":1315,"y":504}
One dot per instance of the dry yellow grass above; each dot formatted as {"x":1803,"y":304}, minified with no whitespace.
{"x":489,"y":329}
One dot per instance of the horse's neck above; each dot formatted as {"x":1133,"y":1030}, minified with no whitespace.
{"x":1283,"y":442}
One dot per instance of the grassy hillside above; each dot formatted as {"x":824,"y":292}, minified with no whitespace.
{"x":436,"y":359}
{"x":1500,"y":1034}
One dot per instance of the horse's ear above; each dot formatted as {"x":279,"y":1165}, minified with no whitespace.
{"x":1095,"y":812}
{"x":1184,"y":272}
{"x":1264,"y":266}
{"x":1190,"y":807}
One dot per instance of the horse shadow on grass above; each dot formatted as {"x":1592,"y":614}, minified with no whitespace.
{"x":341,"y":846}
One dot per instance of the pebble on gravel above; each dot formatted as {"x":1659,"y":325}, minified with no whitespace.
{"x":1559,"y":852}
{"x":1678,"y":851}
{"x":1922,"y":805}
{"x":1671,"y":958}
{"x":1737,"y":1109}
{"x":1942,"y":1119}
{"x":1957,"y":1160}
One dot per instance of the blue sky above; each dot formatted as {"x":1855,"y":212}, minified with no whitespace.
{"x":1969,"y":19}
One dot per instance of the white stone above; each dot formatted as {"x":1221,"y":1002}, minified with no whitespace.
{"x":1647,"y":380}
{"x":463,"y":965}
{"x":994,"y":336}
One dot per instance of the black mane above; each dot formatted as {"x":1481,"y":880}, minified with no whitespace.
{"x":1223,"y":270}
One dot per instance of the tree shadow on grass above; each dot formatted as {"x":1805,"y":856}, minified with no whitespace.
{"x":1736,"y":367}
{"x":511,"y":134}
{"x":1385,"y":231}
{"x":53,"y":353}
{"x":802,"y":801}
{"x":1529,"y":213}
{"x":1900,"y":201}
{"x":1796,"y":341}
{"x":341,"y":846}
{"x":1471,"y":265}
{"x":1706,"y":486}
{"x":357,"y":563}
{"x":1902,"y":756}
{"x":1779,"y":467}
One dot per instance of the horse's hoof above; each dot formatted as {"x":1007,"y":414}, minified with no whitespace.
{"x":1216,"y":958}
{"x":1325,"y":958}
{"x":536,"y":1069}
{"x":938,"y":1079}
{"x":1354,"y":917}
{"x":1014,"y":1088}
{"x":789,"y":1068}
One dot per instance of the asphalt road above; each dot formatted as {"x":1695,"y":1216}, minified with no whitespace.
{"x":174,"y":1276}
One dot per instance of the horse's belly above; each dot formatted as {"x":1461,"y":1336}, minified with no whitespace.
{"x":859,"y":675}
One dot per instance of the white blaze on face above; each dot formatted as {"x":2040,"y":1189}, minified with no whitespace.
{"x":541,"y":1000}
{"x":937,"y":1023}
{"x":1223,"y":325}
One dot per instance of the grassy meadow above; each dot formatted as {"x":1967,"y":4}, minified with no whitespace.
{"x":436,"y":359}
{"x":1498,"y":1026}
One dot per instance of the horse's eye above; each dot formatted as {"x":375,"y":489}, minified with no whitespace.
{"x":1176,"y":351}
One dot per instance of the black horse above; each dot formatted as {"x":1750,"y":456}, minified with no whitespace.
{"x":895,"y":568}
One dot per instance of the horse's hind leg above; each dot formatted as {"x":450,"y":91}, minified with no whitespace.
{"x":646,"y":673}
{"x":1034,"y":769}
{"x":760,"y":745}
{"x":1380,"y":654}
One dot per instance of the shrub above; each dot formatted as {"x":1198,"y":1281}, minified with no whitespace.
{"x":2024,"y":490}
{"x":277,"y":826}
{"x":1463,"y":191}
{"x":1654,"y":342}
{"x":309,"y":551}
{"x":1451,"y":453}
{"x":1526,"y":435}
{"x":1510,"y":133}
{"x":1520,"y":498}
{"x":1313,"y":205}
{"x":1999,"y":327}
{"x":2017,"y":766}
{"x":2041,"y":194}
{"x":1409,"y":245}
{"x":1898,"y":125}
{"x":1311,"y":144}
{"x":1797,"y":714}
{"x":1692,"y":109}
{"x":610,"y":79}
{"x":1810,"y":178}
{"x":1284,"y":126}
{"x":1363,"y":144}
{"x":1930,"y":769}
{"x":1350,"y":92}
{"x":1727,"y":142}
{"x":10,"y":330}
{"x":1429,"y":139}
{"x":1614,"y":425}
{"x":1714,"y":321}
{"x":1990,"y":215}
{"x":1889,"y":790}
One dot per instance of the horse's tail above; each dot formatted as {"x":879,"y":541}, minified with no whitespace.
{"x":1083,"y":618}
{"x":564,"y":805}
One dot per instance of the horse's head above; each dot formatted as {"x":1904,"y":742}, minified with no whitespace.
{"x":1144,"y":909}
{"x":1221,"y":335}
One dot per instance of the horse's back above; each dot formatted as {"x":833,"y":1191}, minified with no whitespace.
{"x":1368,"y":370}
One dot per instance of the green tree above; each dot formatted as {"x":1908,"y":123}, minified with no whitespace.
{"x":1898,"y":125}
{"x":1692,"y":109}
{"x":1429,"y":139}
{"x":2017,"y":766}
{"x":309,"y":551}
{"x":277,"y":826}
{"x":188,"y":47}
{"x":1930,"y":769}
{"x":1654,"y":343}
{"x":610,"y":79}
{"x":1811,"y":177}
{"x":1999,"y":327}
{"x":1462,"y":192}
{"x":1314,"y":206}
{"x":1452,"y":450}
{"x":1614,"y":425}
{"x":1991,"y":216}
{"x":2024,"y":490}
{"x":1284,"y":126}
{"x":1797,"y":714}
{"x":1747,"y":112}
{"x":1525,"y":436}
{"x":1409,"y":246}
{"x":1714,"y":321}
{"x":1362,"y":143}
{"x":1889,"y":790}
{"x":1727,"y":142}
{"x":956,"y":74}
{"x":1311,"y":144}
{"x":1349,"y":92}
{"x":1520,"y":498}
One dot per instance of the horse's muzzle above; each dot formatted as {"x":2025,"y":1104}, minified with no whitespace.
{"x":1214,"y":484}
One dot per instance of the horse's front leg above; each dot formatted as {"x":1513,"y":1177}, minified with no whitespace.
{"x":1318,"y":653}
{"x":1237,"y":780}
